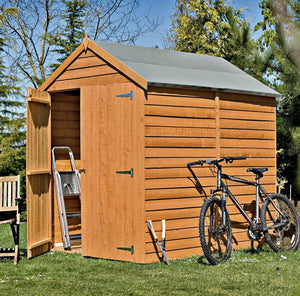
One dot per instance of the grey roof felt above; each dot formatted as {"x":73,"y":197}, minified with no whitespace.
{"x":161,"y":67}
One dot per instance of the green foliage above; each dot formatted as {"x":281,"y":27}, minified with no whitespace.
{"x":297,"y":183}
{"x":68,"y":37}
{"x":266,"y":25}
{"x":204,"y":26}
{"x":216,"y":28}
{"x":12,"y":125}
{"x":288,"y":139}
{"x":280,"y":27}
{"x":275,"y":41}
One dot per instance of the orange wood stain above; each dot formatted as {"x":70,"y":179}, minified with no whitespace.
{"x":156,"y":134}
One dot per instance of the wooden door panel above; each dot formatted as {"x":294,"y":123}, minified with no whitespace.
{"x":38,"y":169}
{"x":112,"y":145}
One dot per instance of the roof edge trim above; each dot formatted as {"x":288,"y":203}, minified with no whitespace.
{"x":88,"y":44}
{"x":155,"y":84}
{"x":141,"y":81}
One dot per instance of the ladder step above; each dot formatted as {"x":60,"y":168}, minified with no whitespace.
{"x":73,"y":215}
{"x":75,"y":237}
{"x":72,"y":194}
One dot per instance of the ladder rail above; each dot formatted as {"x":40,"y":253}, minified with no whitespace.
{"x":73,"y":164}
{"x":60,"y":194}
{"x":62,"y":211}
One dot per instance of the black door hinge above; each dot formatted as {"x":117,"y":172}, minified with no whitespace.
{"x":131,"y":249}
{"x":126,"y":172}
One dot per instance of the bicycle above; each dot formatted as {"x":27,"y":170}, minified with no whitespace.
{"x":277,"y":220}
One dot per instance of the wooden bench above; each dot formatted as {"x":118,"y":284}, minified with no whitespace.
{"x":10,"y":212}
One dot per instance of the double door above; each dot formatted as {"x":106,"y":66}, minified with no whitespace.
{"x":112,"y":181}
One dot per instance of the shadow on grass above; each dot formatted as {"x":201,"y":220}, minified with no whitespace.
{"x":203,"y":261}
{"x":23,"y":253}
{"x":261,"y":249}
{"x":257,"y":250}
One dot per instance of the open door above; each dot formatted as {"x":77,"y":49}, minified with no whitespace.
{"x":38,"y":170}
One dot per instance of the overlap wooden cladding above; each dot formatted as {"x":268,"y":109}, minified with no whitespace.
{"x":133,"y":136}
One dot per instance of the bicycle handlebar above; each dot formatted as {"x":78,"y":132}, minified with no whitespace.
{"x":195,"y":163}
{"x":227,"y":159}
{"x":231,"y":159}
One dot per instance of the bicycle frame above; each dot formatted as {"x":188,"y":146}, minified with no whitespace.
{"x":221,"y":186}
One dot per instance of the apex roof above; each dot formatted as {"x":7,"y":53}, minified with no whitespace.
{"x":161,"y":67}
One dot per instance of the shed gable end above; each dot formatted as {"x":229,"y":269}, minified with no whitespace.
{"x":86,"y":70}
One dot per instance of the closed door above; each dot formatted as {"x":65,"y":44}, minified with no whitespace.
{"x":112,"y":135}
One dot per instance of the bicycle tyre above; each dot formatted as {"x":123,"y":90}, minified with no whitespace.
{"x":282,"y":238}
{"x":216,"y":243}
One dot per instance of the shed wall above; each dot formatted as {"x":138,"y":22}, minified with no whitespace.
{"x":65,"y":127}
{"x":248,"y":128}
{"x":187,"y":125}
{"x":180,"y":127}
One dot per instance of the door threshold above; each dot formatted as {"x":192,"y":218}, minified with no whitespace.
{"x":74,"y":249}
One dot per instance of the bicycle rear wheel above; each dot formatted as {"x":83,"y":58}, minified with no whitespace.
{"x":285,"y":236}
{"x":216,"y":241}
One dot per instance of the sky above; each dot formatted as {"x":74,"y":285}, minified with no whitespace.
{"x":163,"y":10}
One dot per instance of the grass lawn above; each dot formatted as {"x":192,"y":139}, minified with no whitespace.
{"x":245,"y":273}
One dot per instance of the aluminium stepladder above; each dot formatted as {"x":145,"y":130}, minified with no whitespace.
{"x":67,"y":183}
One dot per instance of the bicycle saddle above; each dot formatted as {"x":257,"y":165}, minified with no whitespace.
{"x":258,"y":172}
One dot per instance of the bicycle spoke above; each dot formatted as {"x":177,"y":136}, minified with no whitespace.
{"x":215,"y":241}
{"x":281,"y":222}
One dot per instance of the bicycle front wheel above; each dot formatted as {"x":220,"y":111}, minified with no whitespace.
{"x":282,"y":228}
{"x":216,"y":241}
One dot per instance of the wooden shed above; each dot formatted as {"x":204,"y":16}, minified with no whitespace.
{"x":147,"y":111}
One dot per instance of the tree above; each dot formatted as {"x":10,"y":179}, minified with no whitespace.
{"x":288,"y":140}
{"x":29,"y":24}
{"x":37,"y":33}
{"x":67,"y":38}
{"x":215,"y":28}
{"x":281,"y":39}
{"x":12,"y":124}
